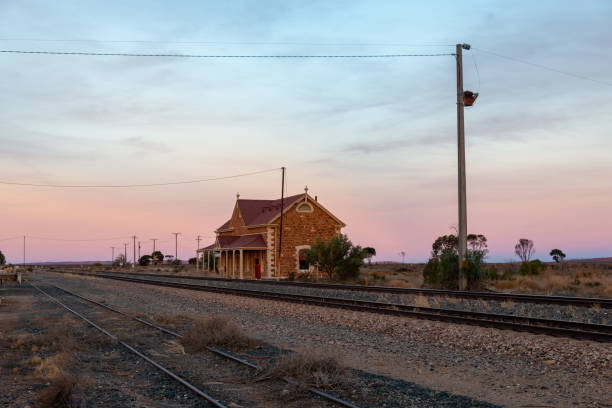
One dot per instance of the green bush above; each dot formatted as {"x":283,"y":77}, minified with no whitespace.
{"x":474,"y":266}
{"x":431,"y":272}
{"x":532,"y":267}
{"x":490,"y":272}
{"x":448,"y":270}
{"x":337,"y":257}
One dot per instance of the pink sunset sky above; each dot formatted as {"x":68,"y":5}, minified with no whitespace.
{"x":374,"y":139}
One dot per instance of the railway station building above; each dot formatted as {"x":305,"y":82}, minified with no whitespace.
{"x":249,"y":240}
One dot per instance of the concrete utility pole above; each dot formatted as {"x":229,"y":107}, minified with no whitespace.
{"x":134,"y":259}
{"x":176,"y":234}
{"x":139,"y":250}
{"x":154,"y":239}
{"x":24,"y":239}
{"x":112,"y":255}
{"x":124,"y":254}
{"x":280,"y":234}
{"x":462,"y":232}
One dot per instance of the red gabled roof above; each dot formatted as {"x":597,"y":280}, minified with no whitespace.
{"x":241,"y":241}
{"x":260,"y":212}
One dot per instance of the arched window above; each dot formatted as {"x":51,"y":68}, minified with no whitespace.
{"x":304,"y":207}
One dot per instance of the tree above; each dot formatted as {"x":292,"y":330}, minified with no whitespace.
{"x":2,"y":259}
{"x":157,"y":258}
{"x":144,"y":260}
{"x":369,"y":252}
{"x":557,"y":255}
{"x":338,"y":256}
{"x":193,"y":261}
{"x":403,"y":254}
{"x":444,"y":243}
{"x":443,"y":266}
{"x":524,"y":249}
{"x":121,"y":260}
{"x":478,"y":242}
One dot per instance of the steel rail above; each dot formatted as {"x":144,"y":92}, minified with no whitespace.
{"x":212,"y":349}
{"x":135,"y":351}
{"x":501,"y":296}
{"x":602,"y":333}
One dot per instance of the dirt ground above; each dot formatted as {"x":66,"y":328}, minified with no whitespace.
{"x":52,"y":358}
{"x":582,"y":279}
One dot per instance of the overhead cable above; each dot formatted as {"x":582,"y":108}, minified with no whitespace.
{"x":76,"y":240}
{"x":558,"y":71}
{"x":327,"y":44}
{"x":120,"y":54}
{"x":14,"y":183}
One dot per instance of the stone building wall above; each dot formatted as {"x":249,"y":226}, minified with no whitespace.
{"x":302,"y":228}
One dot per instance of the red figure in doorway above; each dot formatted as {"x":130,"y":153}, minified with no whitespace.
{"x":257,"y":269}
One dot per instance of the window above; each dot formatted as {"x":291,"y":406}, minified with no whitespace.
{"x":303,"y":263}
{"x":304,"y":207}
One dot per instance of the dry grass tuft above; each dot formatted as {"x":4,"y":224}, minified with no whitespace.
{"x":396,"y":283}
{"x":505,"y":285}
{"x":421,"y":301}
{"x":52,"y":367}
{"x":217,"y":332}
{"x":58,"y":394}
{"x":311,"y":368}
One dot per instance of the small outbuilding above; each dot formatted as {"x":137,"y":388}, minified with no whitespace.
{"x":249,"y":240}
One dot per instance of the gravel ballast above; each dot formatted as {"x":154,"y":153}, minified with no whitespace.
{"x":502,"y":367}
{"x":535,"y":310}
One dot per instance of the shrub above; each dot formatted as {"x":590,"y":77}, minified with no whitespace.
{"x":448,"y":269}
{"x":58,"y":393}
{"x":312,"y":367}
{"x":338,"y":256}
{"x":144,"y":260}
{"x":217,"y":331}
{"x":490,"y":272}
{"x":532,"y":267}
{"x":474,"y":266}
{"x":431,"y":271}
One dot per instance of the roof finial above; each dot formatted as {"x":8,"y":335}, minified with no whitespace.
{"x":237,"y":196}
{"x":305,"y":193}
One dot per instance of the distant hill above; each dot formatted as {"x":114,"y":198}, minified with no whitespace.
{"x":607,"y":259}
{"x":70,"y":263}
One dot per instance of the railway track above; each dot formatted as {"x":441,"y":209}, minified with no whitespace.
{"x":215,"y":350}
{"x":499,"y":296}
{"x":551,"y":327}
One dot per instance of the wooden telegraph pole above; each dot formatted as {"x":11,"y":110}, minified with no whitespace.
{"x":462,"y":232}
{"x":280,"y":235}
{"x":134,"y":259}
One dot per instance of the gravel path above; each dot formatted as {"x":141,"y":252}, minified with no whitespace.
{"x":501,"y":367}
{"x":545,"y":311}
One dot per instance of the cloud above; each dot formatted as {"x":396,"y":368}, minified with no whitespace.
{"x":142,"y":144}
{"x":19,"y":143}
{"x":394,"y":144}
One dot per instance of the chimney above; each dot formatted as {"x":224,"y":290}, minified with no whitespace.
{"x":315,"y":198}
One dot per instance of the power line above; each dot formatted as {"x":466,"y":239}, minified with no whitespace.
{"x":119,"y":54}
{"x":172,"y":183}
{"x":328,"y":44}
{"x":76,"y":240}
{"x":558,"y":71}
{"x":10,"y":238}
